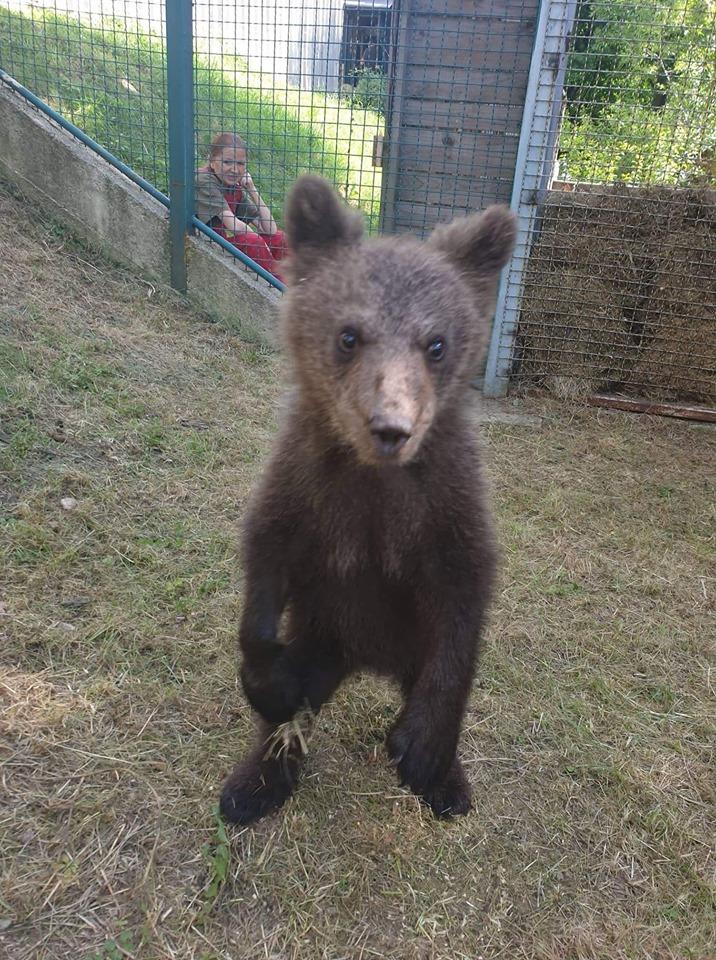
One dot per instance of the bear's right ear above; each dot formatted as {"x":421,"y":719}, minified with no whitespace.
{"x":317,"y":220}
{"x":479,"y":245}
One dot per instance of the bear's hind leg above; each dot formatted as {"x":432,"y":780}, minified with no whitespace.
{"x":426,"y":769}
{"x":423,"y":745}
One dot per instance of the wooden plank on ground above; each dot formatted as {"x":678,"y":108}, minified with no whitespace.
{"x":682,"y":411}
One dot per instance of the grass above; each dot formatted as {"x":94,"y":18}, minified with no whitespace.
{"x":110,"y":80}
{"x":589,"y":739}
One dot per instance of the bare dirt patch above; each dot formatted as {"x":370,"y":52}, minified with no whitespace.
{"x":590,"y":737}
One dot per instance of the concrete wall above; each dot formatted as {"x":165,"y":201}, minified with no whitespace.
{"x":79,"y":189}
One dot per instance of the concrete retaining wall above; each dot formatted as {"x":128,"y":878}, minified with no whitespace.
{"x":101,"y":205}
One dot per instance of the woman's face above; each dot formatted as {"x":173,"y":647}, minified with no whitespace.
{"x":230,"y":165}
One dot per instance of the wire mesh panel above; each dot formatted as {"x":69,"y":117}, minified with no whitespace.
{"x":102,"y":65}
{"x":303,"y":85}
{"x":411,"y":107}
{"x":414,"y":108}
{"x":620,"y":284}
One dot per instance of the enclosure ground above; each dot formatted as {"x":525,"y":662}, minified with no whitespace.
{"x":132,"y":432}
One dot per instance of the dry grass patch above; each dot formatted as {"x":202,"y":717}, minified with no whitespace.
{"x":680,"y":319}
{"x":575,"y":353}
{"x":590,"y":736}
{"x":621,"y":293}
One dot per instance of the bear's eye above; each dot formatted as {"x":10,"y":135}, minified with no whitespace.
{"x":348,"y":340}
{"x":436,"y":349}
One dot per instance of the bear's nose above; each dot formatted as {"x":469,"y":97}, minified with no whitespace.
{"x":388,"y":437}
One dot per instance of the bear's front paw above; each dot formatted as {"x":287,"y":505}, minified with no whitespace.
{"x":421,"y":761}
{"x":452,"y":797}
{"x":272,"y":687}
{"x":256,"y":788}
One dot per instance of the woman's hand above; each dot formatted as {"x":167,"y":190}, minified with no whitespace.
{"x":233,"y":224}
{"x":248,"y":184}
{"x":265,"y":221}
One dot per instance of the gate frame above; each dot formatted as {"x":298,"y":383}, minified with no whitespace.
{"x":539,"y":134}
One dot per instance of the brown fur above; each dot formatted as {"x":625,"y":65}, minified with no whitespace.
{"x":368,"y":544}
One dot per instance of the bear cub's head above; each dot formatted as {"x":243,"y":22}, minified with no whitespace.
{"x":384,"y":334}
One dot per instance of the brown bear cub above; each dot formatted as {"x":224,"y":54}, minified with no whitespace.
{"x":368,"y":543}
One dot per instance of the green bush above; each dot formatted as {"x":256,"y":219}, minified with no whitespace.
{"x":371,"y":91}
{"x":640,"y":104}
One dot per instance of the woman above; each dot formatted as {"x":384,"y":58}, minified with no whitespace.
{"x":228,"y":201}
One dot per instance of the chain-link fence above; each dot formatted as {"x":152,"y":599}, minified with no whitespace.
{"x":411,"y":108}
{"x":596,"y":119}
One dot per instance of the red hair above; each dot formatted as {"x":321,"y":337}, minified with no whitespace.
{"x":223,"y":141}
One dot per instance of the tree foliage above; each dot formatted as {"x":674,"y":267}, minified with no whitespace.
{"x":641,"y":92}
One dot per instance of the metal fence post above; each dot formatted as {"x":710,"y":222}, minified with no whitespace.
{"x":536,"y":147}
{"x":180,"y":96}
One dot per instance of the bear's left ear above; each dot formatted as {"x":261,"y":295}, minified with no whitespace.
{"x":479,"y":245}
{"x":317,"y":220}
